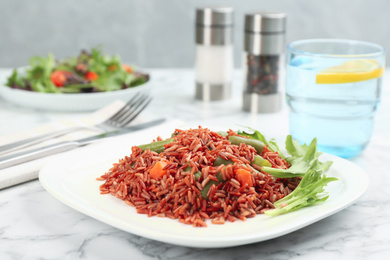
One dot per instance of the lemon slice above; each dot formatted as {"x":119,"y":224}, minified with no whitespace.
{"x":350,"y":71}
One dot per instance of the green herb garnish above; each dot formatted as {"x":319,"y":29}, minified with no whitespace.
{"x":304,"y":163}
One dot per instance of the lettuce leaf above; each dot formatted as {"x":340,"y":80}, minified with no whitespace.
{"x":15,"y":79}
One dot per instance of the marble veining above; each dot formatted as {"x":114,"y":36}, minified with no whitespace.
{"x":35,"y":225}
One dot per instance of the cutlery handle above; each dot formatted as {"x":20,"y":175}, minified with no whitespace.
{"x":36,"y":139}
{"x":14,"y":159}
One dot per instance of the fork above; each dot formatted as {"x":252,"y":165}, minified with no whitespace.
{"x":123,"y":117}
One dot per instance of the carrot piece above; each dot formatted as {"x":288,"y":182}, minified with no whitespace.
{"x":157,"y":170}
{"x":244,"y":177}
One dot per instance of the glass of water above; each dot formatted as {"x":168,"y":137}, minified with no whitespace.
{"x":333,"y":90}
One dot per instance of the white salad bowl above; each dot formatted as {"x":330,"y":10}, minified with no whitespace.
{"x":75,"y":102}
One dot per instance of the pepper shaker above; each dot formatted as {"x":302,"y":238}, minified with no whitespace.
{"x":264,"y":45}
{"x":214,"y":53}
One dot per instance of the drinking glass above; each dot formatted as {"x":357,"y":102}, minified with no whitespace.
{"x":333,"y":90}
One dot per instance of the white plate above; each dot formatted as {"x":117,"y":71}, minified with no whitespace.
{"x":66,"y":102}
{"x":72,"y":180}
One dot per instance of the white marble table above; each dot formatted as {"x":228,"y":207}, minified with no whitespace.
{"x":34,"y":225}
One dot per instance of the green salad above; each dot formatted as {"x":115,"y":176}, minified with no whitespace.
{"x":88,"y":72}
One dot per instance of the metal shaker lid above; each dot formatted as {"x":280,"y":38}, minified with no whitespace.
{"x":265,"y":33}
{"x":214,"y":26}
{"x":265,"y":22}
{"x":214,"y":16}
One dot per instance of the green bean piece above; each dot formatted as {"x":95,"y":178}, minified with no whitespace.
{"x":174,"y":134}
{"x":206,"y":188}
{"x":237,"y":140}
{"x":219,"y":161}
{"x":259,"y":161}
{"x":197,"y":174}
{"x":157,"y":147}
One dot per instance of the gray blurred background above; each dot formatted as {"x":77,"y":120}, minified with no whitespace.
{"x":160,"y":33}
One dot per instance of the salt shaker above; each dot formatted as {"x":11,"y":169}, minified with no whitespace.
{"x":264,"y":45}
{"x":214,"y":53}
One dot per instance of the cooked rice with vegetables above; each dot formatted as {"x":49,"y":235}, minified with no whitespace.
{"x":198,"y":174}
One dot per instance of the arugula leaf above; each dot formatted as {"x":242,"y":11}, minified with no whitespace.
{"x":304,"y":163}
{"x":303,"y":159}
{"x":309,"y":191}
{"x":294,"y":148}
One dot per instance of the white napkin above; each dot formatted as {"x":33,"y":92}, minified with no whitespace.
{"x":29,"y":170}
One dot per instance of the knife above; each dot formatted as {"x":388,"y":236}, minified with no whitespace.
{"x":18,"y":158}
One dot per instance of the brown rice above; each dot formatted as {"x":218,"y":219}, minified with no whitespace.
{"x":177,"y":194}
